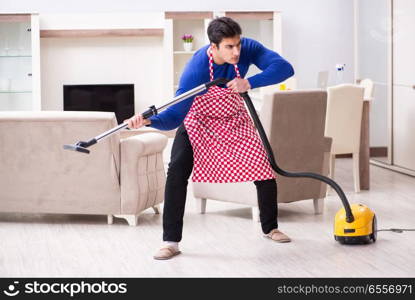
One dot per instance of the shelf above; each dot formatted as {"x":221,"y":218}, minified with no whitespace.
{"x":254,"y":15}
{"x":188,"y":15}
{"x":15,"y":92}
{"x":184,"y":52}
{"x":4,"y":56}
{"x":79,"y":33}
{"x":10,"y":18}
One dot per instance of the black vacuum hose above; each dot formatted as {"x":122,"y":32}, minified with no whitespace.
{"x":268,"y":149}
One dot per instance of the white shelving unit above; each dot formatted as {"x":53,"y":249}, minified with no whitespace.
{"x":176,"y":25}
{"x":264,"y":26}
{"x":19,"y":62}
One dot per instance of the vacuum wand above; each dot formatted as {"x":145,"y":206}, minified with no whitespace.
{"x":82,"y":146}
{"x":268,"y":149}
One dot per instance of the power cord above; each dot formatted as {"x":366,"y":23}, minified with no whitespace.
{"x":396,"y":230}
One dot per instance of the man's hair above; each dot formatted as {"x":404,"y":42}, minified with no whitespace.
{"x":223,"y":27}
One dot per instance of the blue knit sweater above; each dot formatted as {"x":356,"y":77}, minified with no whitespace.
{"x":274,"y":69}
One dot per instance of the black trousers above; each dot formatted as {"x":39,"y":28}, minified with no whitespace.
{"x":178,"y":173}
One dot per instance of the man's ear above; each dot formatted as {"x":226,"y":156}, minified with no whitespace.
{"x":214,"y":46}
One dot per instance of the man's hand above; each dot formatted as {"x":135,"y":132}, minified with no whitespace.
{"x":137,"y":121}
{"x":239,"y":85}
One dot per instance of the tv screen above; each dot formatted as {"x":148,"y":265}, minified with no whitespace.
{"x":117,"y":98}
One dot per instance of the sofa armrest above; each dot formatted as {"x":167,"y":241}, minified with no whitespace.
{"x":144,"y":144}
{"x":142,"y":172}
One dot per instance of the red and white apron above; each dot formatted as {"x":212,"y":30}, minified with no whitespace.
{"x":226,"y":146}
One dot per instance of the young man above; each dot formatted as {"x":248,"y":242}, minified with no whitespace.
{"x":216,"y":138}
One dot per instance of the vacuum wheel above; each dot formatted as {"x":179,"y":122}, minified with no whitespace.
{"x":374,"y":234}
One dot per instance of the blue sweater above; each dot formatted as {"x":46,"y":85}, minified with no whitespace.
{"x":274,"y":69}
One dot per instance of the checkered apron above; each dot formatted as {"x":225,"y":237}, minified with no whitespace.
{"x":226,"y":146}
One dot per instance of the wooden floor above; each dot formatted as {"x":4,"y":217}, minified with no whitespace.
{"x":224,"y":242}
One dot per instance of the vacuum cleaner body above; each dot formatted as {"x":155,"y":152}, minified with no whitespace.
{"x":361,"y":231}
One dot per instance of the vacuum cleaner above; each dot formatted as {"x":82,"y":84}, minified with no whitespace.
{"x":354,"y":224}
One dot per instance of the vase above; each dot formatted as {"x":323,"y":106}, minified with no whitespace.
{"x":187,"y":46}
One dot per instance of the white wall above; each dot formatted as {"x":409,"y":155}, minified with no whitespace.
{"x":317,"y":34}
{"x":372,"y":56}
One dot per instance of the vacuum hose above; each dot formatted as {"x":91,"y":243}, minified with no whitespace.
{"x":268,"y":149}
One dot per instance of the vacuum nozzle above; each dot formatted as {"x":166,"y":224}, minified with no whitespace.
{"x":76,"y":147}
{"x":80,"y":146}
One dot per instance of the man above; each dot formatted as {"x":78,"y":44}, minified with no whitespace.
{"x":216,"y":138}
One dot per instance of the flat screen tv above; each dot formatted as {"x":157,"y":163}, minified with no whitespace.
{"x":117,"y":98}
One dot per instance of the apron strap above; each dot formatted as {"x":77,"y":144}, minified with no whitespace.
{"x":238,"y":75}
{"x":210,"y":64}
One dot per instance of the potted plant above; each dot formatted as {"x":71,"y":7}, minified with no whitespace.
{"x":187,"y":42}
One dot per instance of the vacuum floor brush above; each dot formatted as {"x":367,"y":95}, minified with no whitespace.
{"x":355,"y":224}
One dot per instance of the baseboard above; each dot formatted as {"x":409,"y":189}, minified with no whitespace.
{"x":374,"y":152}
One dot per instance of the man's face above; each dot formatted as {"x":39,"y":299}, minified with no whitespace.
{"x":229,"y":49}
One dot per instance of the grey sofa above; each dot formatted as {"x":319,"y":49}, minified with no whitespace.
{"x":120,"y":177}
